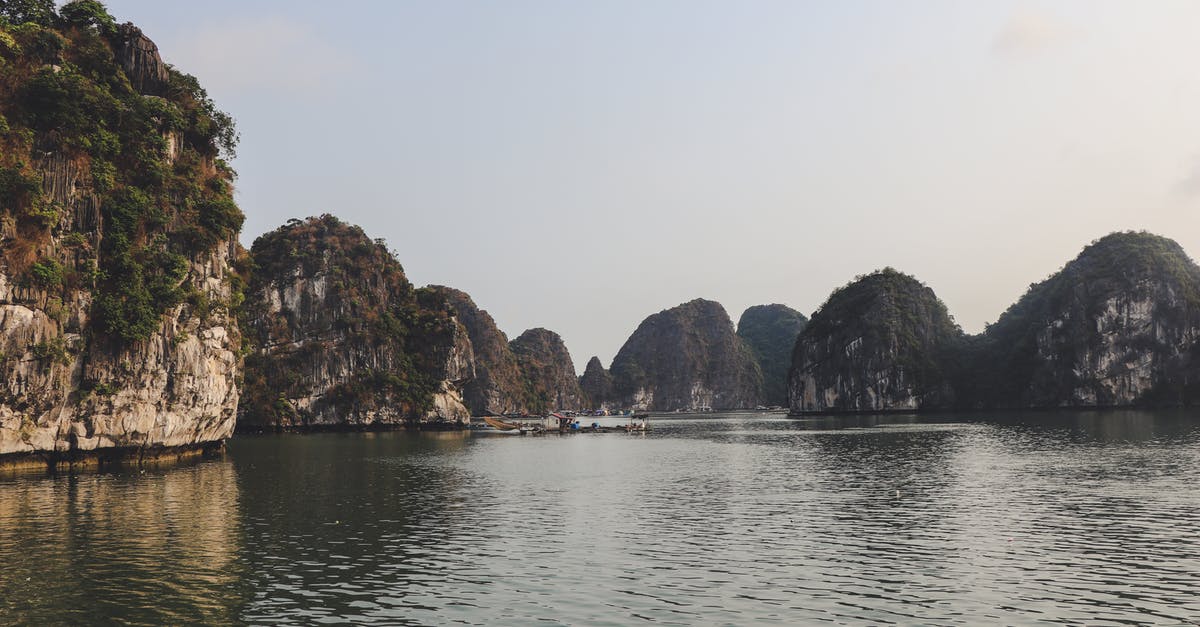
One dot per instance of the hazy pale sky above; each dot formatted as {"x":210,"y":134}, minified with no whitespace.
{"x":581,"y":165}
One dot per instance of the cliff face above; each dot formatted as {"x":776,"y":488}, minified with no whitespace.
{"x":771,"y":331}
{"x":1118,"y":325}
{"x":497,"y":386}
{"x":547,"y":372}
{"x":118,"y":234}
{"x":596,"y":385}
{"x":877,"y":344}
{"x":686,"y":357}
{"x":340,"y":337}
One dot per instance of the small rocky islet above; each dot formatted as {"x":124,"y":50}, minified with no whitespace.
{"x":132,"y":321}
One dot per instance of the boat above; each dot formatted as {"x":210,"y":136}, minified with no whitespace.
{"x":500,"y":424}
{"x":638,"y":423}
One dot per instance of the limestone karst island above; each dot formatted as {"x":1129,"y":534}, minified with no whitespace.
{"x":289,"y":293}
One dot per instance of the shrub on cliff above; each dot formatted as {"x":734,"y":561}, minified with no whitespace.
{"x":152,"y":162}
{"x":356,"y":333}
{"x":1007,"y":362}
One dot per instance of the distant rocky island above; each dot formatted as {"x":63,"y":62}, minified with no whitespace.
{"x":133,"y":323}
{"x":1119,"y":325}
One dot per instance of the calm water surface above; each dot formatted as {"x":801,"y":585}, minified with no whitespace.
{"x":1079,"y":518}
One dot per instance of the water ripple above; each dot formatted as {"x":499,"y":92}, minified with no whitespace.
{"x":1046,"y":518}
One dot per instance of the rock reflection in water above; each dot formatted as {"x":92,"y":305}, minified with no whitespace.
{"x":1083,"y":518}
{"x":152,"y":548}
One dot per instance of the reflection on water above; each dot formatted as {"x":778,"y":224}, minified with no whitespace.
{"x":1087,"y":518}
{"x":148,"y":549}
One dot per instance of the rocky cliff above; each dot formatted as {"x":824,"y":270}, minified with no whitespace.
{"x":771,"y":331}
{"x":1118,"y":325}
{"x":497,"y":386}
{"x":684,"y":358}
{"x":339,"y":337}
{"x":878,"y":344}
{"x":596,"y":384}
{"x":117,"y":235}
{"x":547,"y":372}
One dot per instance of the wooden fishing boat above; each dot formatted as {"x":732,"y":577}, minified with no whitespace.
{"x":500,"y":424}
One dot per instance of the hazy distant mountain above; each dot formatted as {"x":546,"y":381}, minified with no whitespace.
{"x":686,"y":357}
{"x":547,"y":372}
{"x":771,"y":331}
{"x":497,"y":386}
{"x":596,"y":384}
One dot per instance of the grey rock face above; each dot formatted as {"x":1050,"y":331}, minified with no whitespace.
{"x":547,"y":372}
{"x":497,"y":386}
{"x":141,"y":61}
{"x":597,"y":385}
{"x":65,"y":389}
{"x":343,"y":339}
{"x":1118,"y":325}
{"x":686,"y":357}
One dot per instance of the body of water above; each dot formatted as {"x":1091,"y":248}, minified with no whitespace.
{"x":1040,"y":518}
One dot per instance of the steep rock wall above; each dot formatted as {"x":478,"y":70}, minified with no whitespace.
{"x":116,"y":332}
{"x":497,"y":386}
{"x":547,"y":372}
{"x":686,"y":357}
{"x":597,"y":385}
{"x":339,"y":336}
{"x":1118,"y":325}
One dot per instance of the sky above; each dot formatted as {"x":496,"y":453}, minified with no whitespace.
{"x":580,"y":165}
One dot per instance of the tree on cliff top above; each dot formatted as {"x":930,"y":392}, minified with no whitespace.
{"x":18,"y":12}
{"x":152,"y":163}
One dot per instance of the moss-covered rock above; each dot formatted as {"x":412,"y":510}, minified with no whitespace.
{"x":771,"y":331}
{"x":1118,"y":325}
{"x":878,"y":344}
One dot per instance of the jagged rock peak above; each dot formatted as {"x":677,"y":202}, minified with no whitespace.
{"x":497,"y":386}
{"x":341,"y":336}
{"x":547,"y":371}
{"x":686,"y":357}
{"x":141,"y":61}
{"x":877,"y":344}
{"x":771,"y":331}
{"x":596,"y":384}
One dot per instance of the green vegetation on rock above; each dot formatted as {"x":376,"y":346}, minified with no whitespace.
{"x":879,"y":342}
{"x":1118,"y":325}
{"x":331,"y":316}
{"x":771,"y":331}
{"x":151,"y":157}
{"x":1022,"y":358}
